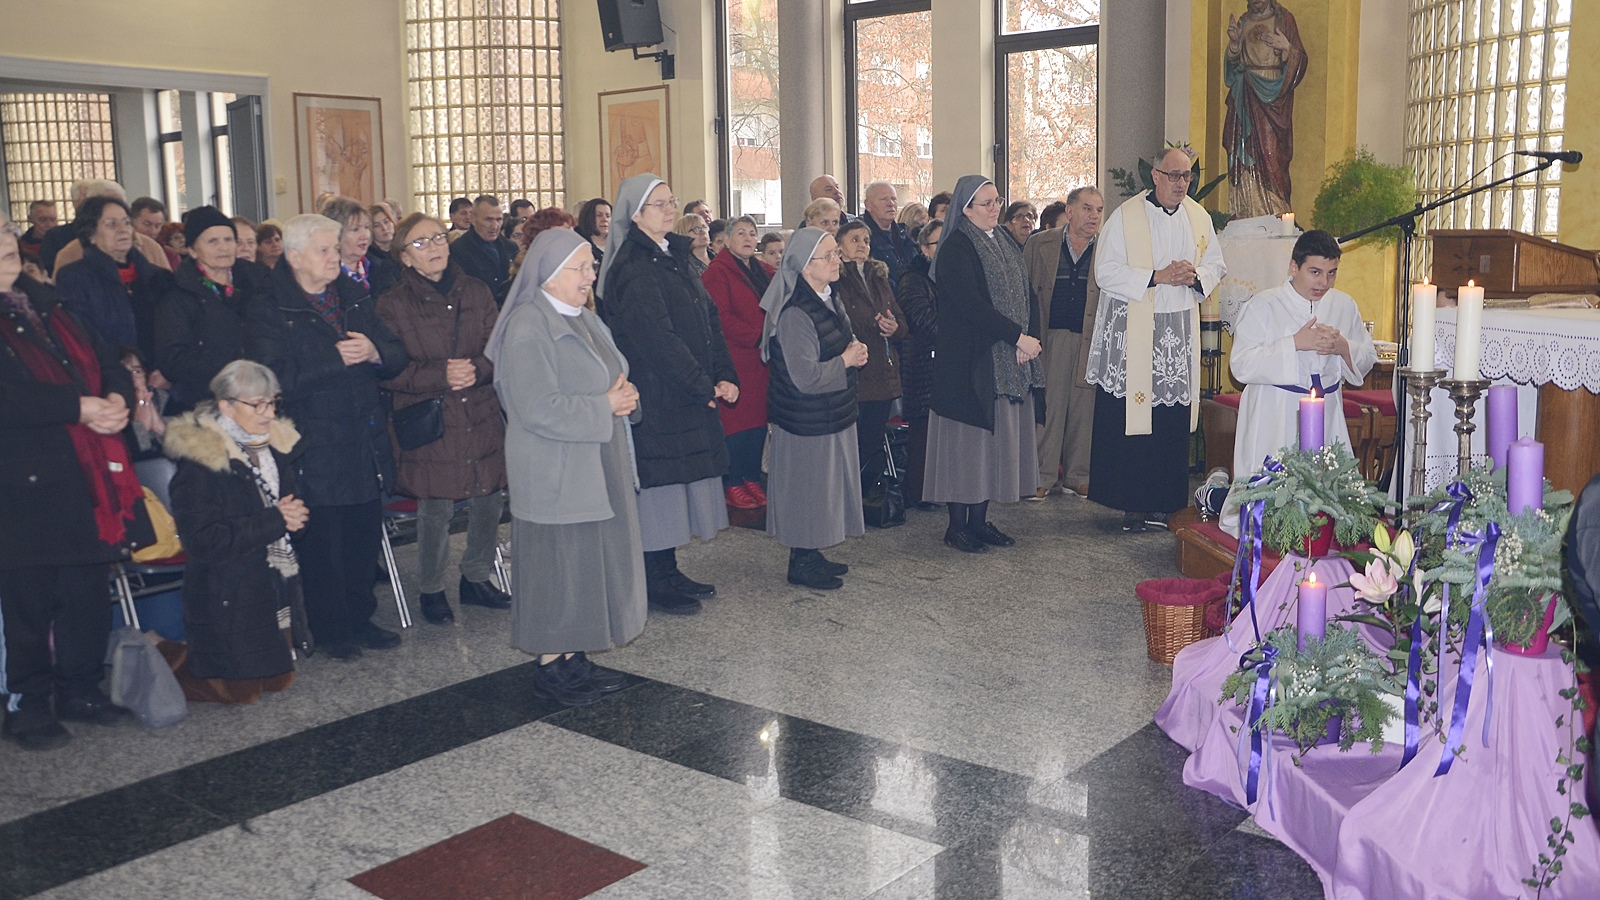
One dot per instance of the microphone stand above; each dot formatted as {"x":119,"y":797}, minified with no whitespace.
{"x":1407,"y":223}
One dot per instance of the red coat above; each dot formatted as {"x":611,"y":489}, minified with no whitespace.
{"x":739,"y":308}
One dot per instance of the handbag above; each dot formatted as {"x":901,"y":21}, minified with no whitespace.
{"x":142,"y":680}
{"x":883,"y":503}
{"x":163,"y":542}
{"x":422,"y":423}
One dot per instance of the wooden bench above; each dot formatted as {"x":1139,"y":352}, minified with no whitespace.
{"x":1205,"y":550}
{"x":1370,"y":416}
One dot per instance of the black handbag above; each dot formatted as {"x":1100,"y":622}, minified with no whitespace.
{"x":883,"y":503}
{"x":422,"y":423}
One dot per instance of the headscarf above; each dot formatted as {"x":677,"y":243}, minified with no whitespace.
{"x":967,"y":187}
{"x":545,"y":257}
{"x":797,"y":252}
{"x":631,"y":196}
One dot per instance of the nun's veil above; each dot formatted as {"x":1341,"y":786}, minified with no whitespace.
{"x":802,"y":245}
{"x":967,"y":187}
{"x":631,"y":196}
{"x":545,"y":257}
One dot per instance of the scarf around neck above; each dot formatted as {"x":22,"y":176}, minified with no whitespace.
{"x":1006,"y":278}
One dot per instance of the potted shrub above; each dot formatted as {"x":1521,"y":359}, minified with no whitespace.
{"x":1360,"y":192}
{"x":1311,"y":499}
{"x":1332,"y":690}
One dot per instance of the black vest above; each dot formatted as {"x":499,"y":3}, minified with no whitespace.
{"x":812,"y":415}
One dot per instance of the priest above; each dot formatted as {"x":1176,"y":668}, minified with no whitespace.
{"x":1158,"y":259}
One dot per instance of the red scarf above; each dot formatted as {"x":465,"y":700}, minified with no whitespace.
{"x":113,"y":486}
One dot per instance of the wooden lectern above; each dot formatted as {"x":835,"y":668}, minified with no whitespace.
{"x":1511,"y":264}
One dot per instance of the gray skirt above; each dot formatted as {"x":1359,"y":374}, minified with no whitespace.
{"x":672,"y":514}
{"x":576,"y":587}
{"x":971,"y":465}
{"x":814,"y":489}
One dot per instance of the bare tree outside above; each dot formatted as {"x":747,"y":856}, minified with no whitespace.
{"x":1042,"y":15}
{"x":894,"y":103}
{"x":753,"y":109}
{"x":1051,"y":101}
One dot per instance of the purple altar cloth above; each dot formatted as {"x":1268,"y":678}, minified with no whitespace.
{"x":1369,"y":829}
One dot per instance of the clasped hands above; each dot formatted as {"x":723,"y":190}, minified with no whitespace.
{"x":294,"y":512}
{"x":1028,"y":348}
{"x":726,"y":391}
{"x":624,"y":397}
{"x":103,"y":415}
{"x":460,"y":374}
{"x":1324,"y":339}
{"x":854,"y":355}
{"x":1180,"y":272}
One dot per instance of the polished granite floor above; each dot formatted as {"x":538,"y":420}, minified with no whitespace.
{"x":946,"y":726}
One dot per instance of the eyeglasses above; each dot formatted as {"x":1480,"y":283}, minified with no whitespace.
{"x":588,"y":267}
{"x":669,"y":203}
{"x":699,"y":231}
{"x":1177,"y":177}
{"x":998,"y":201}
{"x":422,"y":242}
{"x":261,"y":407}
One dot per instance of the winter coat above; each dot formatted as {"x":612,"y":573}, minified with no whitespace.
{"x":470,"y":460}
{"x":739,"y":310}
{"x":383,"y":271}
{"x":472,"y":254}
{"x":198,"y":331}
{"x":893,"y":247}
{"x":666,"y":325}
{"x":969,"y":327}
{"x":121,"y":316}
{"x":1042,"y":255}
{"x":865,"y":291}
{"x":231,"y":596}
{"x":919,"y":300}
{"x":48,"y":515}
{"x":347,"y":457}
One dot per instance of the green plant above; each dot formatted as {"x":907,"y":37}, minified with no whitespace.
{"x":1128,"y":185}
{"x":1339,"y":675}
{"x":1360,"y":192}
{"x":1310,"y":484}
{"x":1571,"y":760}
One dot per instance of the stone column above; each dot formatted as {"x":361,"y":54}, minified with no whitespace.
{"x":801,"y":52}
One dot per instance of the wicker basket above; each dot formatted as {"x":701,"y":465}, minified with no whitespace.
{"x":1174,"y":613}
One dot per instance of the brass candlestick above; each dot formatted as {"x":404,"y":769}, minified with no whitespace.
{"x":1465,"y":394}
{"x":1419,"y":388}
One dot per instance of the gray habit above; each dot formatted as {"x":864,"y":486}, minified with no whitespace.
{"x":581,"y":586}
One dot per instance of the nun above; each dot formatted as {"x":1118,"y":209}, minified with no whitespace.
{"x":667,"y":326}
{"x":814,"y":482}
{"x":980,"y":423}
{"x":577,"y":576}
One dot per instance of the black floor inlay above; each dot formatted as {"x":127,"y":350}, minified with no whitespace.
{"x":1124,"y":824}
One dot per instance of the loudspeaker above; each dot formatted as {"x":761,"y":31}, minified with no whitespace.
{"x":627,"y":24}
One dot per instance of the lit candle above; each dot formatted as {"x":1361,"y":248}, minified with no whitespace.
{"x":1311,"y":615}
{"x":1311,"y":421}
{"x":1525,"y":476}
{"x":1288,"y":223}
{"x":1502,"y":428}
{"x":1469,"y":331}
{"x":1424,"y":301}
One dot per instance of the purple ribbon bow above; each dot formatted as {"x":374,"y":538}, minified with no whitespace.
{"x":1246,"y":576}
{"x":1477,"y":621}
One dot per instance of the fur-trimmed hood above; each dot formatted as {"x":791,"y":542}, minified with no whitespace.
{"x":198,"y":436}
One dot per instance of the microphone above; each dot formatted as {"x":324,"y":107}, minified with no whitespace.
{"x":1566,"y":156}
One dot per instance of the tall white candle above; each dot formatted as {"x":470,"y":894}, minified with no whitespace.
{"x":1424,"y":302}
{"x":1287,"y":224}
{"x":1469,"y":332}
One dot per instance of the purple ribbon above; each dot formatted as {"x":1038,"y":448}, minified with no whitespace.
{"x":1260,"y":701}
{"x":1460,"y":495}
{"x":1247,"y":560}
{"x":1316,"y":385}
{"x":1485,"y":544}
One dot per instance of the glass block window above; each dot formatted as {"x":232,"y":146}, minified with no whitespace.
{"x":1488,"y":77}
{"x":484,"y":82}
{"x":50,"y":141}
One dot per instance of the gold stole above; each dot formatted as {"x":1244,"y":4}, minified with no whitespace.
{"x":1140,"y":338}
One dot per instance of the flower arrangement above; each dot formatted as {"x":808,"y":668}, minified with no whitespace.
{"x":1302,"y":490}
{"x":1339,"y":675}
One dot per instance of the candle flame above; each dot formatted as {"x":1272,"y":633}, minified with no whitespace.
{"x":1471,"y":283}
{"x":1315,"y":395}
{"x":1311,"y":579}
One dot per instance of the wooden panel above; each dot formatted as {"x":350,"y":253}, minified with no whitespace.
{"x":1569,"y":428}
{"x":1510,"y":264}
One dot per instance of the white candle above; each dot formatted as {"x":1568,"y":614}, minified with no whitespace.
{"x":1288,"y":223}
{"x":1424,"y":301}
{"x":1469,"y":331}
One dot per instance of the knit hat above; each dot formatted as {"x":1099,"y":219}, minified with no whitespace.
{"x":199,"y":219}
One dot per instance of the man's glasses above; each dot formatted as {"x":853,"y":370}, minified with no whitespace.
{"x":419,"y":243}
{"x":1177,"y":177}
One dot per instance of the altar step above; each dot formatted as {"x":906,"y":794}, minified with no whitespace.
{"x":1205,"y":550}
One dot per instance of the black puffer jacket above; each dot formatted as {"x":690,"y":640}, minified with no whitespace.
{"x":342,"y":420}
{"x":666,"y":325}
{"x":919,"y":301}
{"x":199,"y":331}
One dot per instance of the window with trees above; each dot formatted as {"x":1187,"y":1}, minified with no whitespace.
{"x":50,"y":141}
{"x":1047,"y":97}
{"x":889,"y":58}
{"x":1488,"y":77}
{"x":751,"y":94}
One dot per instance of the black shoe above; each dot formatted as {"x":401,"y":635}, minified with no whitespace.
{"x":1156,"y":520}
{"x":341,"y":650}
{"x":436,"y":609}
{"x":993,"y":536}
{"x":35,"y":729}
{"x":1133,"y":523}
{"x":556,"y":680}
{"x":831,"y":567}
{"x":810,"y":571}
{"x":96,"y":709}
{"x":482,"y":593}
{"x":664,"y":598}
{"x":604,"y":680}
{"x":964,"y":541}
{"x":688,"y":587}
{"x":372,"y":637}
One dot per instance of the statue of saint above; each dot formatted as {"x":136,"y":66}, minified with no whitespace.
{"x":1264,"y":64}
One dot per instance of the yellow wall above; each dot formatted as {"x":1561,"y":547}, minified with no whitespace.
{"x":1580,"y":214}
{"x":355,"y":48}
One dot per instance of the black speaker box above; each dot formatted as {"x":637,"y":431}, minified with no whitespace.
{"x":627,"y":24}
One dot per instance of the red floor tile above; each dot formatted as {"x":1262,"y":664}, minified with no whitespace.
{"x":511,"y":858}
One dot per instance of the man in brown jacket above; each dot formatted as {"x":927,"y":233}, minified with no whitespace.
{"x":1060,"y":265}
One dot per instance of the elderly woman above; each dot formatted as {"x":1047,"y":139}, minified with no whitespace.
{"x":200,"y":322}
{"x":319,"y":333}
{"x":594,"y":224}
{"x":699,"y":234}
{"x":868,"y":299}
{"x":269,"y":244}
{"x":384,"y":220}
{"x":815,"y":487}
{"x":919,"y":299}
{"x":824,"y":214}
{"x":668,"y":328}
{"x":575,"y":549}
{"x":68,"y":493}
{"x":374,"y":272}
{"x":444,"y":316}
{"x":244,"y":238}
{"x":736,"y":280}
{"x":1019,"y":219}
{"x":113,"y":288}
{"x":980,"y":429}
{"x":233,"y":497}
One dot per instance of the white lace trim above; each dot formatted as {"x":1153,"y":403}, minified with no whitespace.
{"x":1530,"y":348}
{"x":1108,"y":353}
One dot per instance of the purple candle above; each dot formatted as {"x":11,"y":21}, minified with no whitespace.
{"x":1311,"y":422}
{"x":1525,"y":476}
{"x":1311,"y":613}
{"x":1502,"y":428}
